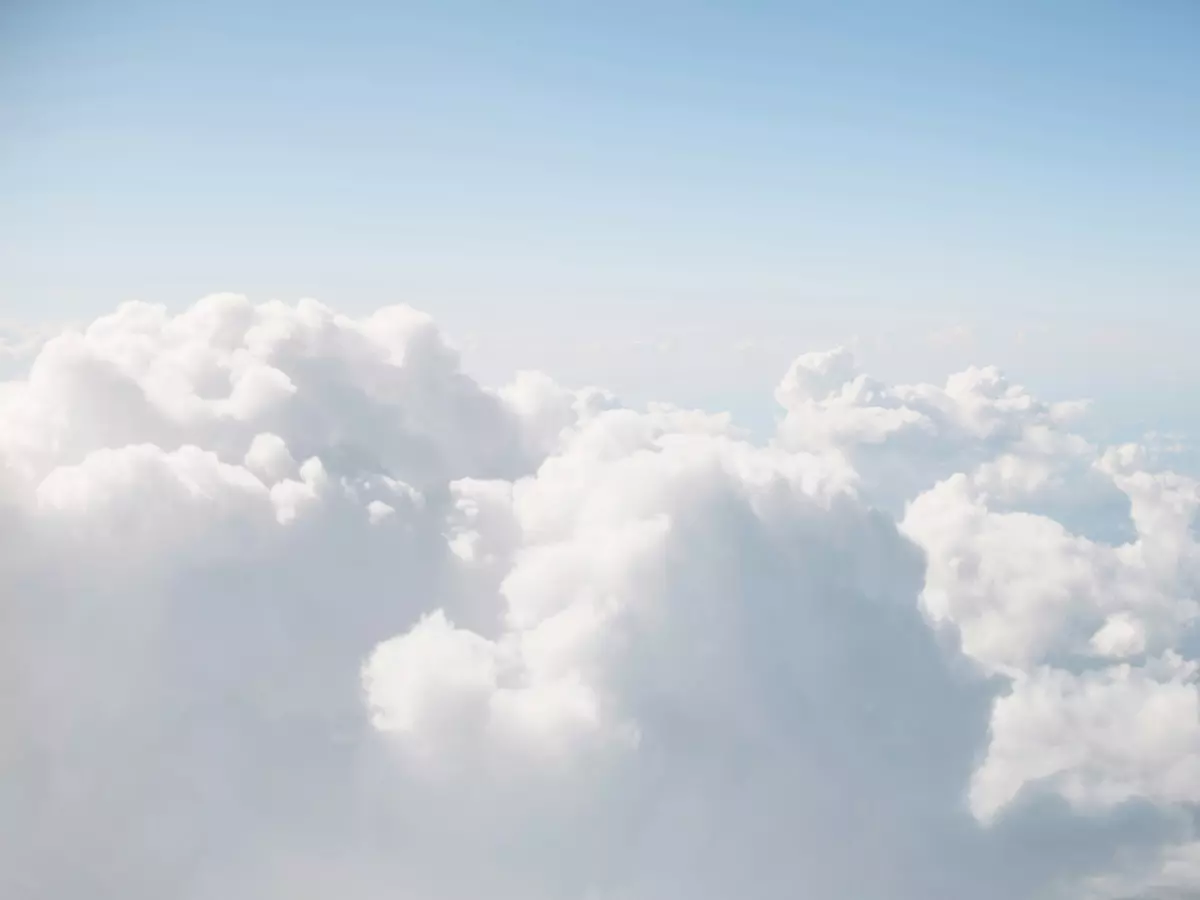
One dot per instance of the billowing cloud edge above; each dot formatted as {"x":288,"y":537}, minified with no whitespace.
{"x":592,"y":644}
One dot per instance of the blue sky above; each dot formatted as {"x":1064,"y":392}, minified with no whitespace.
{"x":630,"y":192}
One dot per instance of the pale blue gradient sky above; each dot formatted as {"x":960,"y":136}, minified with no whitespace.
{"x":623,"y":192}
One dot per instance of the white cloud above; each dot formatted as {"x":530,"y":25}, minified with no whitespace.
{"x":1099,"y":738}
{"x":292,"y":606}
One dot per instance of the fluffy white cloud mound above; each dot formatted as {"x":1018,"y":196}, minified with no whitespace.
{"x":291,"y":606}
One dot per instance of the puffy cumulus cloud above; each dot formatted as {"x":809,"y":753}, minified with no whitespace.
{"x":291,"y":606}
{"x":902,"y":439}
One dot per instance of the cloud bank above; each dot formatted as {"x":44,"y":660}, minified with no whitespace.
{"x":290,"y":606}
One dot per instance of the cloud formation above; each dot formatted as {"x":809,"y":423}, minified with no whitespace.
{"x":290,"y":606}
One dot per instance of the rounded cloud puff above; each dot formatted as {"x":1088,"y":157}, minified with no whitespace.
{"x":291,"y":606}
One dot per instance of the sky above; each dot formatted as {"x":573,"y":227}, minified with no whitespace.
{"x":599,"y":451}
{"x":623,"y":193}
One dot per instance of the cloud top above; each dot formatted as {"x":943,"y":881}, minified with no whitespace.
{"x":291,"y":605}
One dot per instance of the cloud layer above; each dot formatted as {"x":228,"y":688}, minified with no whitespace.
{"x":290,"y":606}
